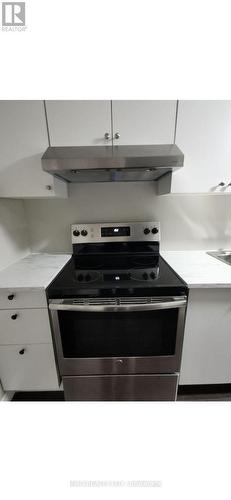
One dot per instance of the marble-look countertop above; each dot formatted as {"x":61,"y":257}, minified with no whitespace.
{"x":195,"y":267}
{"x":37,"y":270}
{"x":198,"y":269}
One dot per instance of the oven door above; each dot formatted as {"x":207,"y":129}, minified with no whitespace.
{"x":118,"y":336}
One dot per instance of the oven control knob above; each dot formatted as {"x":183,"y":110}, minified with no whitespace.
{"x":88,"y":277}
{"x":155,"y":230}
{"x":152,"y":275}
{"x":76,"y":232}
{"x":84,"y":232}
{"x":145,"y":276}
{"x":146,"y":230}
{"x":80,"y":277}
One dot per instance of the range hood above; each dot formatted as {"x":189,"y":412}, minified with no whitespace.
{"x":107,"y":163}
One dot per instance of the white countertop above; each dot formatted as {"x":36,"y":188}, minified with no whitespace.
{"x":198,"y":269}
{"x":34,"y":271}
{"x":195,"y":267}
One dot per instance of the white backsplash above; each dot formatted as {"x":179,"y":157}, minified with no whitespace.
{"x":187,"y":222}
{"x":13,"y":232}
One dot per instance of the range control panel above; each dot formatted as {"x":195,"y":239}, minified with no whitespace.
{"x":111,"y":231}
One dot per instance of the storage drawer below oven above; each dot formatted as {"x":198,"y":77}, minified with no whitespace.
{"x":121,"y":388}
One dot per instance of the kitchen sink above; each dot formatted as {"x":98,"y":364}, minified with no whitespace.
{"x":223,"y":255}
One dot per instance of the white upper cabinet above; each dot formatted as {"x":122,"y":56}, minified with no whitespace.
{"x":204,"y":136}
{"x":23,"y":140}
{"x":84,"y":123}
{"x":143,"y":122}
{"x":79,"y":123}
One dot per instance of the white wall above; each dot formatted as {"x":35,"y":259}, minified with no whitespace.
{"x":187,"y":222}
{"x":13,"y":236}
{"x":1,"y":392}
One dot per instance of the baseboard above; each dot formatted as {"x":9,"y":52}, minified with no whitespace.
{"x":8,"y":396}
{"x":205,"y":388}
{"x":39,"y":396}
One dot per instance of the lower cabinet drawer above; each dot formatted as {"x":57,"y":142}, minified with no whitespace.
{"x":24,"y":326}
{"x":11,"y":298}
{"x":121,"y":388}
{"x":28,"y":367}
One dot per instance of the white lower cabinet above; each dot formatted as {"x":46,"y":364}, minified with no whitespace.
{"x":29,"y":367}
{"x":24,"y":326}
{"x":27,"y":361}
{"x":11,"y":298}
{"x":206,"y":357}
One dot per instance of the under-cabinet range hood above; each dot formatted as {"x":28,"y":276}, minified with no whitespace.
{"x":107,"y":163}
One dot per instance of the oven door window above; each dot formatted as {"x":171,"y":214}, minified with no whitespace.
{"x":123,"y":334}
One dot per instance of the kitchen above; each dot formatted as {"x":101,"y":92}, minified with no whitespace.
{"x":115,"y":249}
{"x":187,"y":204}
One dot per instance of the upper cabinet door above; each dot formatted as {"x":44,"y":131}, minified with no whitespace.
{"x":143,"y":122}
{"x":204,"y":136}
{"x":79,"y":123}
{"x":23,"y":140}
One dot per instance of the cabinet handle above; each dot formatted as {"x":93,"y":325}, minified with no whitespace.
{"x":14,"y":316}
{"x":22,"y":351}
{"x":10,"y":297}
{"x":107,"y":136}
{"x":117,"y":135}
{"x":222,"y":184}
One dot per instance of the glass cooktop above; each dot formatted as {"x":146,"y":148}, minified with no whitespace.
{"x":135,"y":275}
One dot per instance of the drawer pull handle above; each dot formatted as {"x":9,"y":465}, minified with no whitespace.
{"x":10,"y":297}
{"x":22,"y":351}
{"x":14,"y":316}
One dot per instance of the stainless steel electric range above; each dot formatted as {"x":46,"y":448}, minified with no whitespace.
{"x":117,"y":312}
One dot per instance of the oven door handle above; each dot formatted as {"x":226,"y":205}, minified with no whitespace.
{"x":65,"y":305}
